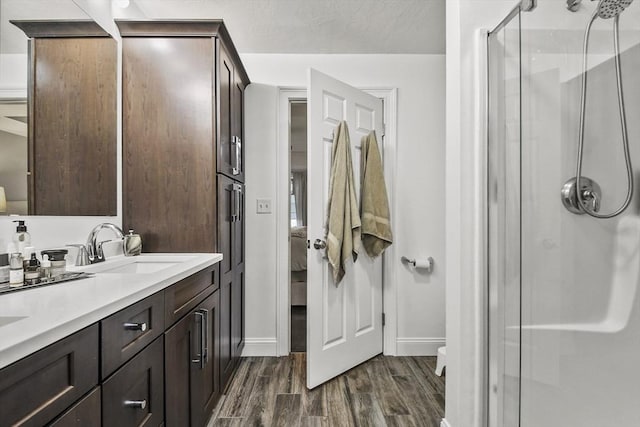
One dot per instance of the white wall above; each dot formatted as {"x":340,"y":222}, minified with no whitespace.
{"x":418,"y":219}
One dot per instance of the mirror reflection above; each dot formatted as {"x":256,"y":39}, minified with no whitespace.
{"x":61,"y":161}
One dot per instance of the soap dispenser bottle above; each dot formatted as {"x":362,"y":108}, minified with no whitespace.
{"x":21,"y":238}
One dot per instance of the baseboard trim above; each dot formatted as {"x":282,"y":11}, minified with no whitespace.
{"x":260,"y":347}
{"x":419,"y":346}
{"x":444,"y":423}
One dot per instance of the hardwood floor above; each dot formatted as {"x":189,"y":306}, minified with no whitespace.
{"x":385,"y":391}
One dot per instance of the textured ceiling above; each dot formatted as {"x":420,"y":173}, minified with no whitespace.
{"x":281,"y":26}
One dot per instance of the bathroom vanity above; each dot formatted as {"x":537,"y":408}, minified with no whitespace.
{"x":136,"y":344}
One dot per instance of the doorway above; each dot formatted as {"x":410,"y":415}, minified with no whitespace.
{"x":298,"y":224}
{"x":388,"y":138}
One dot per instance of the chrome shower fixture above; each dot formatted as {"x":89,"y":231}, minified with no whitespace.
{"x":573,"y":5}
{"x":580,"y":194}
{"x":612,"y":8}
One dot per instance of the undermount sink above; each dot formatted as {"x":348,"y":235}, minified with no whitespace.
{"x":7,"y":320}
{"x":141,"y":264}
{"x":140,"y":267}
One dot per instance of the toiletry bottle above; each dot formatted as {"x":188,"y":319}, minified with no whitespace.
{"x":16,"y":272}
{"x":22,"y":238}
{"x":132,"y":244}
{"x":45,"y":268}
{"x":26,"y":256}
{"x":32,"y":272}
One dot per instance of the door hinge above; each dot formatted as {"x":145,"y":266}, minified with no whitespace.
{"x":384,"y":129}
{"x":383,"y":319}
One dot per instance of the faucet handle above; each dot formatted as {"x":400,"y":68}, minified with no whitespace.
{"x":82,"y":258}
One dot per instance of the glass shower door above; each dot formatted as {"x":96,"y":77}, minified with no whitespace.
{"x":564,"y":306}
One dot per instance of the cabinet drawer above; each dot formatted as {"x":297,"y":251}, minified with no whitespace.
{"x":182,"y":297}
{"x":134,"y":395}
{"x":36,"y":389}
{"x":85,"y":413}
{"x":128,"y":331}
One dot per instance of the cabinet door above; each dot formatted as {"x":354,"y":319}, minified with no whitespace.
{"x":237,"y":289}
{"x":237,"y":315}
{"x":178,"y":352}
{"x":167,"y":118}
{"x":237,"y":124}
{"x":237,"y":239}
{"x":205,"y":384}
{"x":192,"y":365}
{"x":226,"y":346}
{"x":226,"y":223}
{"x":38,"y":388}
{"x":134,"y":395}
{"x":226,"y":149}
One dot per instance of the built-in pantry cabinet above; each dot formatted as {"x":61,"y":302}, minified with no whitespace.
{"x":183,"y":169}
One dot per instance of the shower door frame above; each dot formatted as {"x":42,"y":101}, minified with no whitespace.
{"x":486,"y":239}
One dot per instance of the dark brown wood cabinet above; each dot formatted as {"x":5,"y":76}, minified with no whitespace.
{"x":36,"y":389}
{"x":183,"y":145}
{"x":72,"y":139}
{"x":192,"y":364}
{"x":134,"y":395}
{"x":130,"y":330}
{"x":231,"y":107}
{"x":231,"y":245}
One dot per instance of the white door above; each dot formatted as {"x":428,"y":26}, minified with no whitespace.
{"x":344,"y":321}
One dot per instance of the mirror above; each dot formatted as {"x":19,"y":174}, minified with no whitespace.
{"x":57,"y":152}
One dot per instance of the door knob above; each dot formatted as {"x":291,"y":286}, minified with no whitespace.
{"x":319,"y":244}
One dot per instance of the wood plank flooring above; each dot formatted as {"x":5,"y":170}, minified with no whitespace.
{"x":385,"y":391}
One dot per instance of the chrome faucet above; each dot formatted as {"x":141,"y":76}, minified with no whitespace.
{"x":94,"y":247}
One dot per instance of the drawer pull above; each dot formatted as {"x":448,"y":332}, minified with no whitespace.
{"x":136,"y":404}
{"x":136,"y":326}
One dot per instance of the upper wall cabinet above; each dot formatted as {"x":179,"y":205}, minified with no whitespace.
{"x":71,"y":118}
{"x":182,"y":124}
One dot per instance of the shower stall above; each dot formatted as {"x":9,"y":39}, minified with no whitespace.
{"x":563,"y":219}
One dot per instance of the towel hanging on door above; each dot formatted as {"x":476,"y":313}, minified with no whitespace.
{"x":343,"y":217}
{"x":374,"y":203}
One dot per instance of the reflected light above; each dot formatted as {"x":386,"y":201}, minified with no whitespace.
{"x":123,"y":3}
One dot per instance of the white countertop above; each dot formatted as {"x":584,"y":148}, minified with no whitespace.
{"x":34,"y":318}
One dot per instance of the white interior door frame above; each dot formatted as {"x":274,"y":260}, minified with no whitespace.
{"x":282,"y":206}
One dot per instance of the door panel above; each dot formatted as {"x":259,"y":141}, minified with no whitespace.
{"x":178,"y":353}
{"x":225,"y":102}
{"x":237,"y":121}
{"x":226,"y":202}
{"x":206,"y":382}
{"x":344,"y":325}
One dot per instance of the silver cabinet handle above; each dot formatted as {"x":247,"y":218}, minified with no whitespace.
{"x":237,"y":191}
{"x":136,"y":404}
{"x":319,"y":244}
{"x":200,"y":357}
{"x":236,"y":143}
{"x":204,"y":338}
{"x":234,"y":215}
{"x":135,"y":326}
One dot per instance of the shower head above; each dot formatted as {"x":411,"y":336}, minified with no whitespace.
{"x":612,"y":8}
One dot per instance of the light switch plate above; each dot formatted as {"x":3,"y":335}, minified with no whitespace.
{"x":263,"y":206}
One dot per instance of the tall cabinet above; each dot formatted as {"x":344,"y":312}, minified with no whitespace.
{"x":183,"y":153}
